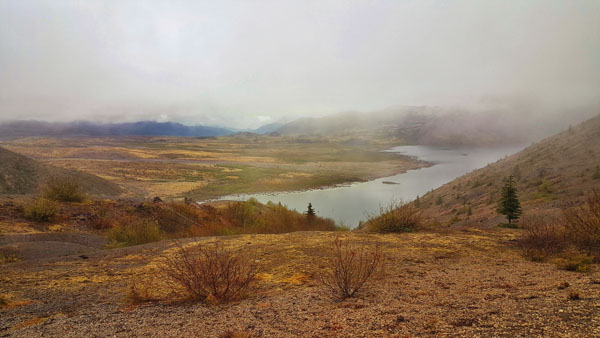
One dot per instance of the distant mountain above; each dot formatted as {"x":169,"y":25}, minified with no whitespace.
{"x":22,"y":175}
{"x":15,"y":129}
{"x":431,"y":125}
{"x":267,"y":128}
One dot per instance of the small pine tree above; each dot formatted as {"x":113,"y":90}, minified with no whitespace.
{"x":310,"y":212}
{"x":439,"y":200}
{"x":509,"y":205}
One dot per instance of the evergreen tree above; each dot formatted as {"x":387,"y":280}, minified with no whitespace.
{"x":310,"y":212}
{"x":509,"y":205}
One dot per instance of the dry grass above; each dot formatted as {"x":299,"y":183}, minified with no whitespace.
{"x":139,"y":292}
{"x":351,"y":267}
{"x":63,"y":190}
{"x":583,"y":223}
{"x":210,"y":272}
{"x":396,"y":217}
{"x":134,"y":230}
{"x":174,"y":217}
{"x":253,"y":217}
{"x":41,"y":210}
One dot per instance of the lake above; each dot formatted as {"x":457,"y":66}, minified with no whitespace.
{"x":350,"y":204}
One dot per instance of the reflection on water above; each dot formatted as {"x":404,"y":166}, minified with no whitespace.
{"x":350,"y":204}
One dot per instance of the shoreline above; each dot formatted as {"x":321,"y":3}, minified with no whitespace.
{"x":419,"y":164}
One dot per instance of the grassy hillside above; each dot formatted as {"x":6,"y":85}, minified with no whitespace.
{"x":559,"y":168}
{"x":22,"y":175}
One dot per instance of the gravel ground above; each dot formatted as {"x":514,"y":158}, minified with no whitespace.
{"x":465,"y":283}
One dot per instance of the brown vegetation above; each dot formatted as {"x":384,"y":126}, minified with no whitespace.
{"x":396,"y":217}
{"x":571,"y":242}
{"x":559,"y":167}
{"x":210,"y":272}
{"x":132,"y":230}
{"x":543,"y":237}
{"x":40,"y":210}
{"x":63,"y":190}
{"x":583,"y":223}
{"x":351,"y":267}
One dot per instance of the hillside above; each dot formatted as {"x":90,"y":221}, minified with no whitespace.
{"x":22,"y":175}
{"x":559,"y":168}
{"x":16,"y":129}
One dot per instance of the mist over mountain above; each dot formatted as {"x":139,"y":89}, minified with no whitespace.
{"x":444,"y":125}
{"x":16,"y":129}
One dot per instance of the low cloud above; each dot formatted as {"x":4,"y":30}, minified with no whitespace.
{"x":236,"y":63}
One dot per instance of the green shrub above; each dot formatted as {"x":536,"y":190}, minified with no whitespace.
{"x":63,"y":190}
{"x":133,"y":231}
{"x":40,"y":210}
{"x":396,"y":217}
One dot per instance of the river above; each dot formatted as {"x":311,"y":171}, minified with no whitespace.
{"x":350,"y":204}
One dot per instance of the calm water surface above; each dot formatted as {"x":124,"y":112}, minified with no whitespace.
{"x":351,"y":203}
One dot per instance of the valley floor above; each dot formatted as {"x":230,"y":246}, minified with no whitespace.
{"x":461,"y":283}
{"x":202,"y":169}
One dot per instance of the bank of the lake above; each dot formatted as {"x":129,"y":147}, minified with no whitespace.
{"x":350,"y":204}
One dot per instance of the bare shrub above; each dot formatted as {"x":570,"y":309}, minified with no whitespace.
{"x":396,"y":217}
{"x":210,"y":272}
{"x":132,"y":230}
{"x":40,"y":210}
{"x":351,"y":267}
{"x":543,"y":238}
{"x":583,"y":223}
{"x":63,"y":190}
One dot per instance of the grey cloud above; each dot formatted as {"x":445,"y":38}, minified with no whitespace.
{"x":235,"y":62}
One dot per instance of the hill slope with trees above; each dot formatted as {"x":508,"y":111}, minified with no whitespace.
{"x":558,"y":169}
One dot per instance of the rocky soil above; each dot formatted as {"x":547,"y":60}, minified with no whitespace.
{"x":464,"y":283}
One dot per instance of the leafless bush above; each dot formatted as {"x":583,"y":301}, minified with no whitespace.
{"x":210,"y":271}
{"x":583,"y":223}
{"x":351,"y":267}
{"x":543,"y":237}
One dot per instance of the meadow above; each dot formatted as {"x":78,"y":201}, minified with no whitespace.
{"x":204,"y":168}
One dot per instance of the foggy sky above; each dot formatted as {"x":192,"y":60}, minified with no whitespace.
{"x":247,"y":63}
